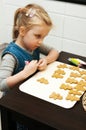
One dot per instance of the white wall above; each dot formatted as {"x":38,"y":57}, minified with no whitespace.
{"x":69,"y":19}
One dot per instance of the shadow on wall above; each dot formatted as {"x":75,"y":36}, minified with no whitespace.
{"x":74,"y":1}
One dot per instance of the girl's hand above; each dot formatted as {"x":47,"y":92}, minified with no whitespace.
{"x":30,"y":68}
{"x":42,"y":64}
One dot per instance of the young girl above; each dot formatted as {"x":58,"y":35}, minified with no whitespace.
{"x":21,"y":58}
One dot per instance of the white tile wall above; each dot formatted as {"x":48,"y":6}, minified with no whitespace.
{"x":53,"y":6}
{"x":75,"y":10}
{"x":75,"y":29}
{"x":74,"y":47}
{"x":58,"y":20}
{"x":9,"y":13}
{"x":69,"y":23}
{"x":54,"y":41}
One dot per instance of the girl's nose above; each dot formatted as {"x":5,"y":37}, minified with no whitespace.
{"x":40,"y":41}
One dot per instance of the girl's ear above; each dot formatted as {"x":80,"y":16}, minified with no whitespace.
{"x":22,"y":31}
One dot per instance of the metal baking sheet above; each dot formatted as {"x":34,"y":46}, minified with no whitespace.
{"x":42,"y":91}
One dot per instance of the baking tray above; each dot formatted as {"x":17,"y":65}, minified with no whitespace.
{"x":42,"y":91}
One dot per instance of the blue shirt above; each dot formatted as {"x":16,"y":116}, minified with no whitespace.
{"x":20,"y":55}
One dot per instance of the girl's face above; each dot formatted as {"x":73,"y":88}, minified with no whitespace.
{"x":33,"y":38}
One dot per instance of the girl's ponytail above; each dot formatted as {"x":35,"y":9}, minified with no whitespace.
{"x":15,"y":26}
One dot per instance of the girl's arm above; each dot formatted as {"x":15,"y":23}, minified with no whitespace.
{"x":28,"y":70}
{"x":6,"y":69}
{"x":51,"y":55}
{"x":7,"y":80}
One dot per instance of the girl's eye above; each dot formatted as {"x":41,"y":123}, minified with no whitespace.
{"x":38,"y":36}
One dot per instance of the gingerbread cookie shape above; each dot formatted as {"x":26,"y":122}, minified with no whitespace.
{"x":75,"y":92}
{"x":72,"y":97}
{"x":74,"y":68}
{"x":43,"y":80}
{"x":62,"y":66}
{"x":82,"y":83}
{"x":55,"y":96}
{"x":82,"y":72}
{"x":58,"y":73}
{"x":75,"y":75}
{"x":84,"y":77}
{"x":80,"y":88}
{"x":71,"y":81}
{"x":65,"y":86}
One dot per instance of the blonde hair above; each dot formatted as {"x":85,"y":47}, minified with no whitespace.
{"x":26,"y":17}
